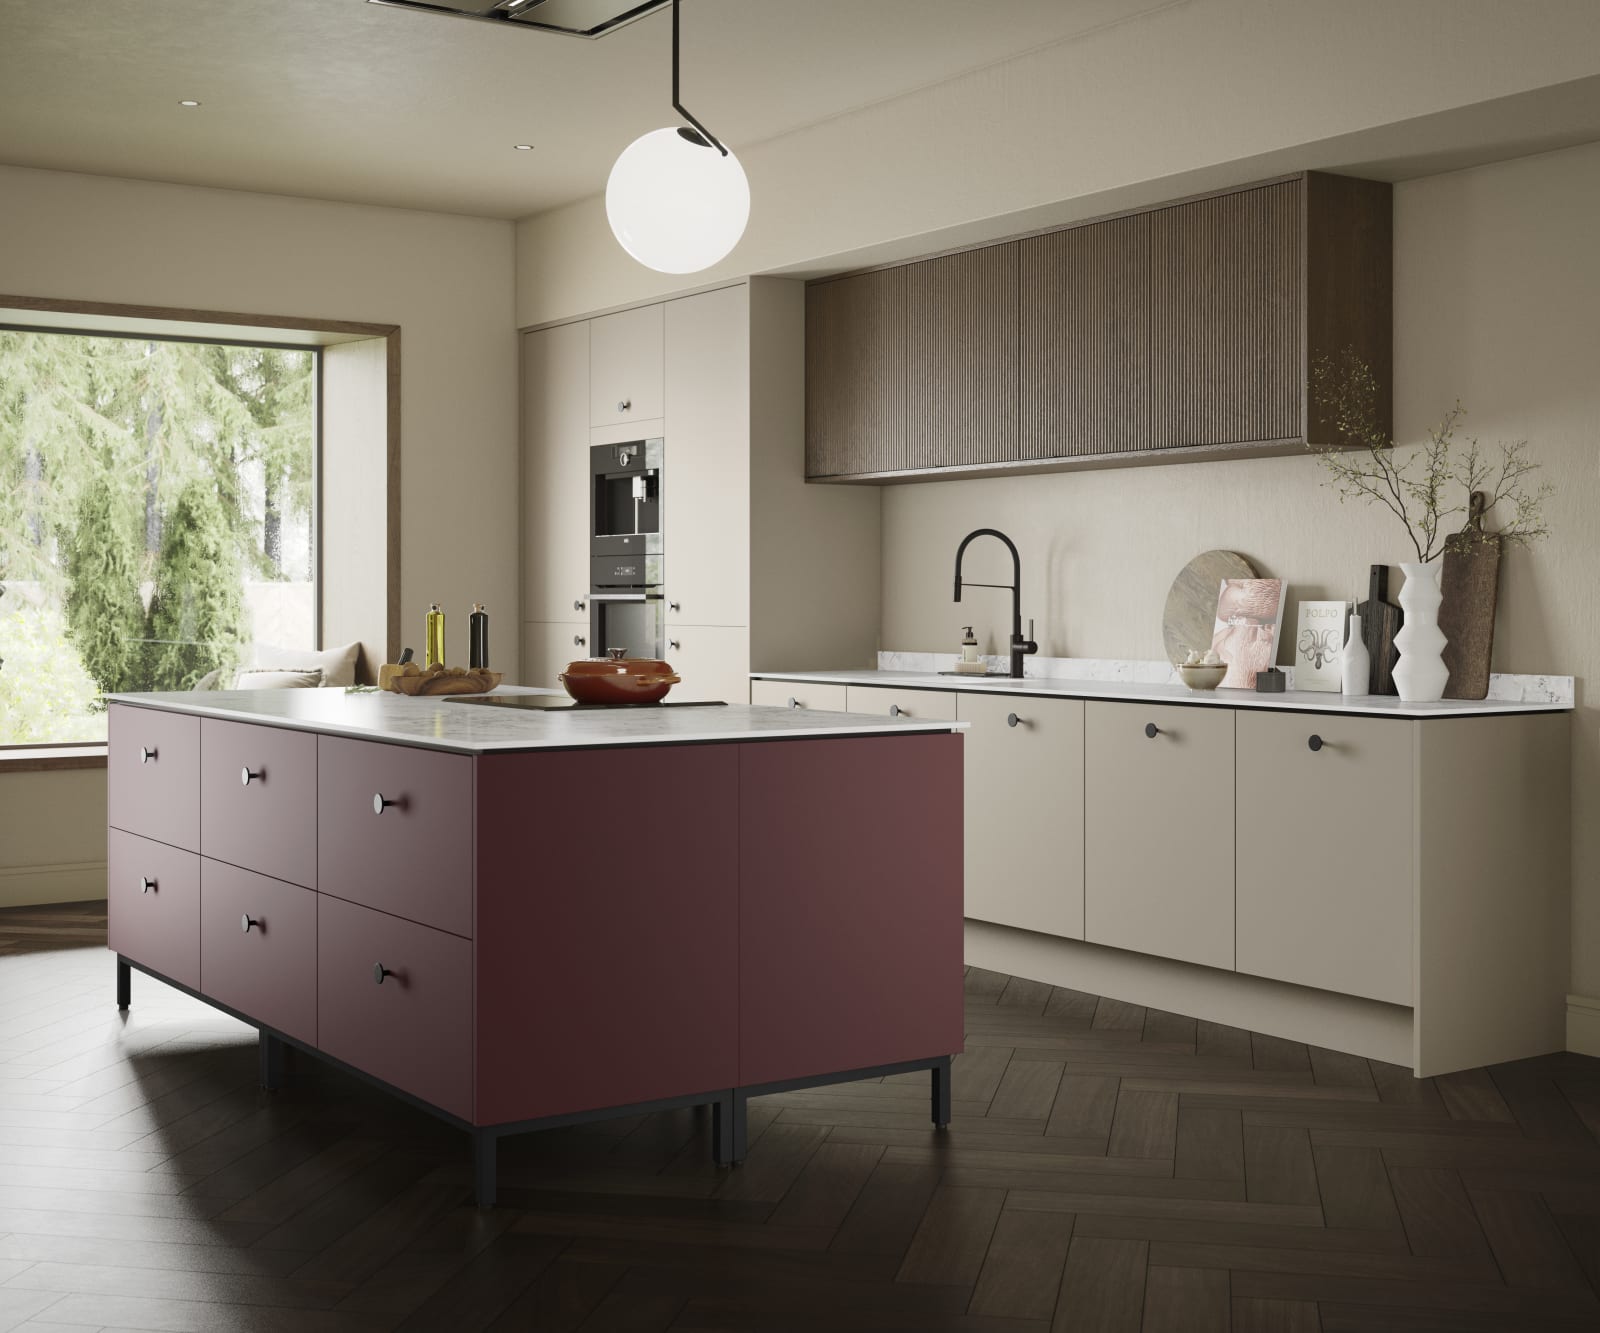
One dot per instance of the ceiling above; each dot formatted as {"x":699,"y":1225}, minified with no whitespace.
{"x":339,"y":99}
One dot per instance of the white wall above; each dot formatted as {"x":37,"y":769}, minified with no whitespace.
{"x":446,"y":281}
{"x":1497,"y":281}
{"x":1194,"y":86}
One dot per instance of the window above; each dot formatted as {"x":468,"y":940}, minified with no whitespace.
{"x":156,"y":515}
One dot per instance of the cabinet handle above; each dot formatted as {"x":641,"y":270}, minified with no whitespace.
{"x":624,"y":405}
{"x":1315,"y":742}
{"x":1012,"y":720}
{"x":580,"y":605}
{"x":793,"y":702}
{"x":246,"y":921}
{"x":146,"y":754}
{"x":896,"y":711}
{"x":1151,"y":730}
{"x":674,"y":606}
{"x":674,"y":644}
{"x":246,"y":776}
{"x":379,"y":972}
{"x":380,"y":802}
{"x":146,"y":884}
{"x":578,"y":640}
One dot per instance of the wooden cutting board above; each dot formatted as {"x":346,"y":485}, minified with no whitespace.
{"x":1380,"y":622}
{"x":1469,"y":584}
{"x":1191,"y":612}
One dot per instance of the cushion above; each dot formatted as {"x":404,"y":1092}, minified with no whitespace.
{"x":338,"y":665}
{"x":263,"y":678}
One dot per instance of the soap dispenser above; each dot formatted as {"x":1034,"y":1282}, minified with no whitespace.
{"x":969,"y":645}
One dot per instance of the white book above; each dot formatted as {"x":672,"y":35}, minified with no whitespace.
{"x":1318,"y":644}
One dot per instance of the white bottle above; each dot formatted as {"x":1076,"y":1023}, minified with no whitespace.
{"x":1355,"y":663}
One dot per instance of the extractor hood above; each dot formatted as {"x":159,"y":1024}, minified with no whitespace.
{"x":576,"y":18}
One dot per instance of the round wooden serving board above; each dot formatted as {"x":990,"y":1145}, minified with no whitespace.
{"x":1191,"y":613}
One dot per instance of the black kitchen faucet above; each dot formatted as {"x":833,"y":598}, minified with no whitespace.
{"x":1020,"y":646}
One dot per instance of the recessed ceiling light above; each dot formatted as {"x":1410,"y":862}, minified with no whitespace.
{"x":523,"y":147}
{"x":188,"y":102}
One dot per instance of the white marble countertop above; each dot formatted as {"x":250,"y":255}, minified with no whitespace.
{"x":435,"y":724}
{"x":1135,"y":691}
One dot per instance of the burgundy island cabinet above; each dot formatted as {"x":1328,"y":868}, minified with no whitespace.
{"x":526,"y":919}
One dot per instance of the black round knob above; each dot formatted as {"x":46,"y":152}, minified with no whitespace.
{"x":674,"y":644}
{"x":246,"y":777}
{"x":1151,"y":730}
{"x":380,"y":803}
{"x":146,"y":754}
{"x":1012,"y":720}
{"x":379,"y":972}
{"x":674,"y":606}
{"x":146,"y":884}
{"x":793,"y":702}
{"x":896,"y":711}
{"x":246,"y":921}
{"x":1315,"y":743}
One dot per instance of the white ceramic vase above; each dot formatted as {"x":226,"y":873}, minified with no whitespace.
{"x":1420,"y":675}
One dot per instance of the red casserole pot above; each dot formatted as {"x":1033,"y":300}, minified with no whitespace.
{"x":618,"y":679}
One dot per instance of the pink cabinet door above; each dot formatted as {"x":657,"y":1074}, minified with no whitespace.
{"x":153,"y":905}
{"x":258,"y":947}
{"x":394,"y":999}
{"x":394,"y":830}
{"x":607,"y":942}
{"x":153,"y":775}
{"x":268,"y":821}
{"x":850,"y":879}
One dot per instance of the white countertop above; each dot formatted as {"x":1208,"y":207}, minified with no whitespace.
{"x":435,"y":724}
{"x":1300,"y":701}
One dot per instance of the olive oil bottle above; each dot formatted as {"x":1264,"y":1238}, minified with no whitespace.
{"x":433,"y":653}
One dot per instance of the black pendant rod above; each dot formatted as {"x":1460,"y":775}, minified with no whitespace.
{"x":709,"y":138}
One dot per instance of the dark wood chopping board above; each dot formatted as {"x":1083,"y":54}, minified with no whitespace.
{"x":1380,"y":622}
{"x":1469,"y":585}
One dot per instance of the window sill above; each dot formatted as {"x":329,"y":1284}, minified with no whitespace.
{"x":51,"y":758}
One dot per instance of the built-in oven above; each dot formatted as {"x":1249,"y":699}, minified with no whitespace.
{"x":627,"y":504}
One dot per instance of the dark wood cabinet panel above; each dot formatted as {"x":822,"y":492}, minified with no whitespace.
{"x":1085,"y":325}
{"x":1179,"y":332}
{"x":962,"y":358}
{"x":1224,"y":360}
{"x":856,"y":375}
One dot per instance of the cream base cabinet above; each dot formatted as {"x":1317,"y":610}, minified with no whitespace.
{"x":1159,"y":830}
{"x":1024,"y":811}
{"x":1326,"y":869}
{"x":799,"y":694}
{"x":713,"y":662}
{"x":923,"y":705}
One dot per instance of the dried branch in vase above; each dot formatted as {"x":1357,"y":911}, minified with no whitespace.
{"x":1420,"y":485}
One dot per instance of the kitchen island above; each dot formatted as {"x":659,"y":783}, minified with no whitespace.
{"x":519,"y":920}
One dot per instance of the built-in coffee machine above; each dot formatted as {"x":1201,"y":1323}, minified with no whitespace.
{"x":627,"y":585}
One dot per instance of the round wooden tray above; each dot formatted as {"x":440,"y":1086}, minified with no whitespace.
{"x":473,"y":682}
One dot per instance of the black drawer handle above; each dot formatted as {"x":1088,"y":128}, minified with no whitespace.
{"x":793,"y":702}
{"x":380,"y":803}
{"x":147,"y":885}
{"x":896,"y":711}
{"x":246,"y":777}
{"x":246,"y":921}
{"x":1151,"y":730}
{"x":1315,"y":742}
{"x":1012,"y":720}
{"x":146,"y":754}
{"x":379,"y":972}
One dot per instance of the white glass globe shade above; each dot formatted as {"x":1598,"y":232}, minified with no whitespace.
{"x":676,"y":206}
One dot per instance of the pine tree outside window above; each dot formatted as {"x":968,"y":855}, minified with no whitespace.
{"x":156,"y":516}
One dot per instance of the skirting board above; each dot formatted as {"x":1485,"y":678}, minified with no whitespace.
{"x":70,"y":882}
{"x":1319,"y":1018}
{"x":1583,"y":1024}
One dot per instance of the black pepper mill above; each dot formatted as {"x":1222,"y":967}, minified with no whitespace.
{"x":478,"y":639}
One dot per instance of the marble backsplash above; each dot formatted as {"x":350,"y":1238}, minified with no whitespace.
{"x":1523,"y":689}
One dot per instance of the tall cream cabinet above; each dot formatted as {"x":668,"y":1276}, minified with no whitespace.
{"x":761,"y":570}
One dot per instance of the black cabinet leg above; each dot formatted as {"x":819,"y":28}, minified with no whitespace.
{"x":739,"y":1134}
{"x":941,"y":1092}
{"x":271,"y":1052}
{"x":722,"y":1130}
{"x":484,"y":1143}
{"x":124,"y":982}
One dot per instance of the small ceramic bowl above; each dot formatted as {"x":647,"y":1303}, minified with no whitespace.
{"x":1203,"y":677}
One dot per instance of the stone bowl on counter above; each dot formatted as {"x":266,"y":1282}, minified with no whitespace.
{"x":1202,"y":677}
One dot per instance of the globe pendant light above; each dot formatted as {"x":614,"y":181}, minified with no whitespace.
{"x":677,"y":199}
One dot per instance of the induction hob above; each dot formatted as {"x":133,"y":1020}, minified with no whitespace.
{"x":548,"y":703}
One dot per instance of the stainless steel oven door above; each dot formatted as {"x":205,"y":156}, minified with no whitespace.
{"x":632,"y":621}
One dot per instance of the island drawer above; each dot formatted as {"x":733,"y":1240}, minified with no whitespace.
{"x":153,"y":905}
{"x":394,"y":999}
{"x":153,"y":775}
{"x":394,"y":830}
{"x":258,"y":799}
{"x":258,"y":947}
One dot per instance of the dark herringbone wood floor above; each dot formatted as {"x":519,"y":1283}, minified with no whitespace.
{"x":1109,"y":1169}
